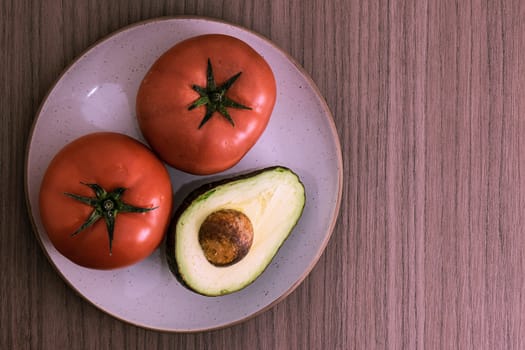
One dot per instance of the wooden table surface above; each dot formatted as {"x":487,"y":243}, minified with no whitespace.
{"x":428,"y":99}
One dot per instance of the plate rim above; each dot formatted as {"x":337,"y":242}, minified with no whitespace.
{"x":331,"y":124}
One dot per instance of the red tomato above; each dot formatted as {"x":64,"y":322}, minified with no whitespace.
{"x":116,"y":181}
{"x":195,"y":109}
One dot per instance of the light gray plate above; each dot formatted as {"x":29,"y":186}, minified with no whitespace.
{"x":97,"y":92}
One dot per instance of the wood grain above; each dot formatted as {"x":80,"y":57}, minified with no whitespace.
{"x":428,"y":99}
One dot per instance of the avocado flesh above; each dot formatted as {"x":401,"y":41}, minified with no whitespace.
{"x":272,"y":198}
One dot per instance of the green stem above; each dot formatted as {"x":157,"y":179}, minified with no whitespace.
{"x":105,"y":205}
{"x":214,"y":97}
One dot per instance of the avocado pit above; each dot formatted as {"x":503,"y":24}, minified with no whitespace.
{"x":226,"y":236}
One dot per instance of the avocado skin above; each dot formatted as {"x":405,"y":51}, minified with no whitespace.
{"x":190,"y":198}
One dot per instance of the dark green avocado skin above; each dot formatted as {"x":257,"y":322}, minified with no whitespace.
{"x":190,"y":198}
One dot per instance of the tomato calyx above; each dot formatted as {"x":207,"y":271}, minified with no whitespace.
{"x":214,"y":97}
{"x":105,"y":205}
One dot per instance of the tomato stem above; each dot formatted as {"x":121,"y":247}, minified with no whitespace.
{"x":214,"y":97}
{"x":105,"y":205}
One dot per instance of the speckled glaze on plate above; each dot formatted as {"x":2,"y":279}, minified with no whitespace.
{"x":97,"y":92}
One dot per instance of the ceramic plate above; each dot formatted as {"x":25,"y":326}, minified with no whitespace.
{"x":97,"y":92}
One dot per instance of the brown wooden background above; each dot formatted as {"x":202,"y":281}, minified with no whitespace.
{"x":428,"y":97}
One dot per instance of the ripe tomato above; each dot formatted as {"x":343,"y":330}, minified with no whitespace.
{"x":107,"y":182}
{"x":205,"y":102}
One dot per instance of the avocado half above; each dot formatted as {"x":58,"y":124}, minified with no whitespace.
{"x":272,"y":199}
